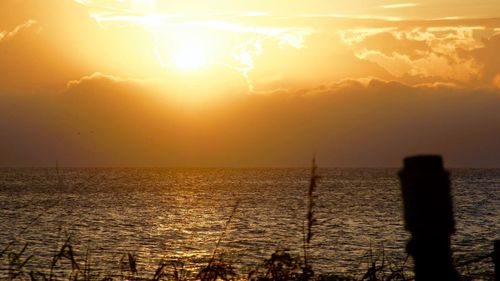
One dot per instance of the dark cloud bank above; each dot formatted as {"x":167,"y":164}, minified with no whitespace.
{"x":109,"y":122}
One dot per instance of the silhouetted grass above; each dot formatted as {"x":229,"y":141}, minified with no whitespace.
{"x":68,"y":264}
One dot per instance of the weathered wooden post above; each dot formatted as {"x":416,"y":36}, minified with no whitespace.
{"x":496,"y":259}
{"x":428,"y":214}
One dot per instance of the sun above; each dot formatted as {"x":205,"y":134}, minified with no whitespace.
{"x":189,"y":58}
{"x":186,"y":49}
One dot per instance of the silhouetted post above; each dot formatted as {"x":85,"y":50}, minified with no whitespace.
{"x":496,"y":259}
{"x":428,"y":214}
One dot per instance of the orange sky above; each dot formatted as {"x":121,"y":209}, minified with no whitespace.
{"x":248,"y":83}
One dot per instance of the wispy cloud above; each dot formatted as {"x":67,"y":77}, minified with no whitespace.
{"x":17,"y":29}
{"x":351,"y":16}
{"x":450,"y":18}
{"x":352,"y":36}
{"x":398,"y":5}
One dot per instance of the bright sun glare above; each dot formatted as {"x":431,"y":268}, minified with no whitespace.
{"x":186,"y":49}
{"x":189,"y":58}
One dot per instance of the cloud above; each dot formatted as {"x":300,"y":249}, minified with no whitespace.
{"x":388,"y":42}
{"x":488,"y":56}
{"x":449,"y":50}
{"x":496,"y":81}
{"x":90,"y":80}
{"x":431,"y":65}
{"x":315,"y":63}
{"x":6,"y":35}
{"x":358,"y":35}
{"x":106,"y":120}
{"x":398,"y":6}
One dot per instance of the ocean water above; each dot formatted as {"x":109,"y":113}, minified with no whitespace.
{"x":179,"y":214}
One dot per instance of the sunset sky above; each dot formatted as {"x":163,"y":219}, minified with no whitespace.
{"x":248,"y":83}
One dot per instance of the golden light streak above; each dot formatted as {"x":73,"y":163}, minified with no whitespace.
{"x":399,"y":5}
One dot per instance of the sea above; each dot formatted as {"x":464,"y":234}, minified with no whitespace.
{"x":238,"y":216}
